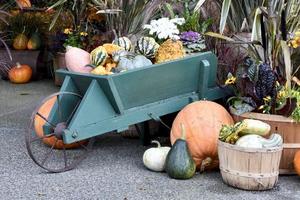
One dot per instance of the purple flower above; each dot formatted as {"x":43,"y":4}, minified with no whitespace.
{"x":190,"y":36}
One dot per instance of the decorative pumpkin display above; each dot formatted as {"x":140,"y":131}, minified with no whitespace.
{"x":45,"y":110}
{"x":147,"y":46}
{"x":34,"y":42}
{"x":123,"y":42}
{"x":257,"y":141}
{"x":77,"y":60}
{"x":23,"y":3}
{"x":203,"y":121}
{"x":100,"y":70}
{"x":98,"y":56}
{"x":127,"y":61}
{"x":170,"y":50}
{"x":297,"y":162}
{"x":20,"y":42}
{"x":112,"y":48}
{"x":155,"y":158}
{"x":20,"y":74}
{"x":179,"y":162}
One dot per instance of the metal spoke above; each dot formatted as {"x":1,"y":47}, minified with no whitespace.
{"x":41,"y":138}
{"x":73,"y":112}
{"x":49,"y":153}
{"x":50,"y":158}
{"x":85,"y":147}
{"x":46,"y":120}
{"x":65,"y":156}
{"x":59,"y":109}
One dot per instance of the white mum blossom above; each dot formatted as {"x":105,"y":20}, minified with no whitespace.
{"x":165,"y":28}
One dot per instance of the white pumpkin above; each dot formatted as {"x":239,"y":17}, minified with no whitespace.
{"x":155,"y":158}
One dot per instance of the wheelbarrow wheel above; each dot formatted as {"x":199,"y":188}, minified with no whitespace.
{"x":48,"y":150}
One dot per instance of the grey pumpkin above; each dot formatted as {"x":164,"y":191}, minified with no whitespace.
{"x":128,"y":61}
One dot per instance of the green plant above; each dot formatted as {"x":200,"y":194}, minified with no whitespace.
{"x":190,"y":11}
{"x":270,"y":58}
{"x":127,"y":17}
{"x":25,"y":23}
{"x":4,"y":66}
{"x":75,"y":38}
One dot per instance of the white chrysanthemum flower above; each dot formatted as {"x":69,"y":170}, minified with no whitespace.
{"x":165,"y":28}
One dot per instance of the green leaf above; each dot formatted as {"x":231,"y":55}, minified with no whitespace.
{"x":224,"y":14}
{"x":169,"y":9}
{"x":198,"y":5}
{"x":58,"y":3}
{"x":219,"y":36}
{"x":287,"y":62}
{"x":256,"y":29}
{"x":57,"y":14}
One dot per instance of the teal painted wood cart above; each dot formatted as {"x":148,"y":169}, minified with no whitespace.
{"x":90,"y":105}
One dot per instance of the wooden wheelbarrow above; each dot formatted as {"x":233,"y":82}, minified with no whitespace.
{"x":91,"y":105}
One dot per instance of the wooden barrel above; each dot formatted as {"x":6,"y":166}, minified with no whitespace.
{"x":290,"y":132}
{"x":249,"y":168}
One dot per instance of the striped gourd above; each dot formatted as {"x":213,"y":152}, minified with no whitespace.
{"x":147,"y":46}
{"x":123,"y":42}
{"x":99,"y":56}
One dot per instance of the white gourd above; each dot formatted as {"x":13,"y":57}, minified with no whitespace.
{"x":250,"y":141}
{"x":155,"y":158}
{"x":257,"y":141}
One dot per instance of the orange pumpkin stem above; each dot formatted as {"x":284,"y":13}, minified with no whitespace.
{"x":205,"y":163}
{"x":183,"y":133}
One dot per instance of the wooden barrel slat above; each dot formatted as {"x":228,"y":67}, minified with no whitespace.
{"x":249,"y":169}
{"x":288,"y":129}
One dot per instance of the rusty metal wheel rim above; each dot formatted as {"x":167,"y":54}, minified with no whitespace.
{"x":57,"y":131}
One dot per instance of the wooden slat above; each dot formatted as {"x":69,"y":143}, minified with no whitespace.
{"x":249,"y":169}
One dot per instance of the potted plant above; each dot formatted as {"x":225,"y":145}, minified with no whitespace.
{"x":4,"y":60}
{"x":264,"y":84}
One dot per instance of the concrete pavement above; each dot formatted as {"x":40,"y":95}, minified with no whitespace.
{"x":114,"y":169}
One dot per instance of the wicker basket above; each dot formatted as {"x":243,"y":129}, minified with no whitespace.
{"x":249,"y":169}
{"x":288,"y":129}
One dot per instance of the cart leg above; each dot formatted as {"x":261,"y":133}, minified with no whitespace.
{"x":144,"y":132}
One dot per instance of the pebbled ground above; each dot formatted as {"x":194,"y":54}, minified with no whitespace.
{"x":113,"y":170}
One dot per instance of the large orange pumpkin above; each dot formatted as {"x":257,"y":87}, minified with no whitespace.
{"x":45,"y":110}
{"x":203,"y":121}
{"x":297,"y":162}
{"x":20,"y":74}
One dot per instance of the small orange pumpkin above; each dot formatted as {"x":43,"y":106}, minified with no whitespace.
{"x":24,"y":3}
{"x":297,"y":162}
{"x":20,"y":74}
{"x":45,"y":110}
{"x":203,"y":121}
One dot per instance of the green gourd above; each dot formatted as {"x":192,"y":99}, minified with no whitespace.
{"x":123,"y":42}
{"x":179,"y":162}
{"x":147,"y":46}
{"x":34,"y":42}
{"x":98,"y":56}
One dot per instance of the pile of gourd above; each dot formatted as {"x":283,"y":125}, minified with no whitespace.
{"x":250,"y":133}
{"x":176,"y":161}
{"x":194,"y":138}
{"x":121,"y":55}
